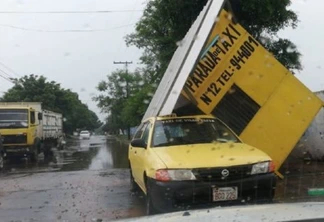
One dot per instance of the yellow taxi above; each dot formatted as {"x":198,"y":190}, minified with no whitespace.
{"x":188,"y":161}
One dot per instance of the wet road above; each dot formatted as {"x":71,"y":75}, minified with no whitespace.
{"x":88,"y":181}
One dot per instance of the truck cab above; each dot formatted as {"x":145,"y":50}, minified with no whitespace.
{"x":18,"y":129}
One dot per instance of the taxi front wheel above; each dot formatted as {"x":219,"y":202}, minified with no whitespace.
{"x":134,"y":186}
{"x":1,"y":161}
{"x":150,"y":210}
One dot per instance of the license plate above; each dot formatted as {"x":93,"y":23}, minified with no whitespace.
{"x":224,"y":193}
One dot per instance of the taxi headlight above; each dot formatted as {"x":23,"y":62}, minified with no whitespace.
{"x":168,"y":175}
{"x":264,"y":167}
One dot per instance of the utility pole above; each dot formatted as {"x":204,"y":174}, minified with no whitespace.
{"x":126,"y":63}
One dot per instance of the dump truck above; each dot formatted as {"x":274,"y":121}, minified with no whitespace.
{"x":27,"y":129}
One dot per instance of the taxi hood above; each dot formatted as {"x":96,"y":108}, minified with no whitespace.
{"x":209,"y":155}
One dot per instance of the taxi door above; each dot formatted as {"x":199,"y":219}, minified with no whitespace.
{"x":137,"y":154}
{"x":142,"y":155}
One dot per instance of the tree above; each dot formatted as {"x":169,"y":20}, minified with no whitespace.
{"x":124,"y":96}
{"x":34,"y":88}
{"x":263,"y":20}
{"x":165,"y":22}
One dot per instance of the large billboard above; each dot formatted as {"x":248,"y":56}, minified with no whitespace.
{"x":239,"y":81}
{"x":236,"y":79}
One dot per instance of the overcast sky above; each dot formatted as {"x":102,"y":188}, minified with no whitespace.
{"x":48,"y":44}
{"x":77,"y":60}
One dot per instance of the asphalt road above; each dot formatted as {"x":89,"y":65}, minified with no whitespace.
{"x":89,"y":181}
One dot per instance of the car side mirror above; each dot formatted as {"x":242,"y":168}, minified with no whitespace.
{"x":40,"y":116}
{"x":138,"y":143}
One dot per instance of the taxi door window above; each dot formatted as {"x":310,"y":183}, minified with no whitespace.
{"x":146,"y":133}
{"x":140,"y":131}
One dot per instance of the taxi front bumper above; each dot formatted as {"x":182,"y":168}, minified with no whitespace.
{"x":180,"y":195}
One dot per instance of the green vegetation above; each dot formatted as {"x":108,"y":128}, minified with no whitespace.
{"x":124,"y":96}
{"x":35,"y":88}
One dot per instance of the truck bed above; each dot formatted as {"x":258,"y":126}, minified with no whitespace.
{"x":51,"y":124}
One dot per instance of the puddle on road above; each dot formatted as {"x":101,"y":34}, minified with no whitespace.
{"x":93,"y":154}
{"x":103,"y":160}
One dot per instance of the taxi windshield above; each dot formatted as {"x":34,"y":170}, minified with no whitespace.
{"x":184,"y":131}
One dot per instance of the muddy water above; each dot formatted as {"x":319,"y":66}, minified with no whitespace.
{"x":87,"y":181}
{"x":94,"y":154}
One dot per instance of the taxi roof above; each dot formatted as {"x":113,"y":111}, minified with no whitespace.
{"x":173,"y":116}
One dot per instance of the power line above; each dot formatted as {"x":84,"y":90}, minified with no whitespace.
{"x":8,"y":75}
{"x":71,"y":12}
{"x":6,"y":78}
{"x":126,"y":19}
{"x":67,"y":30}
{"x":126,"y":63}
{"x":11,"y":70}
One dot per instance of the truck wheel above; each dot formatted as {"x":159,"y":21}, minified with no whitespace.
{"x":60,"y":146}
{"x":34,"y":155}
{"x":150,"y":210}
{"x":47,"y":153}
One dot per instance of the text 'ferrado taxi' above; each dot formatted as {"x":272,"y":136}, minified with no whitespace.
{"x":196,"y":160}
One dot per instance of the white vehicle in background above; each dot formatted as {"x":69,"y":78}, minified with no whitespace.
{"x":84,"y":134}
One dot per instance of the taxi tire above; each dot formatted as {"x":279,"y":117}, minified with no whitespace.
{"x":1,"y":161}
{"x":134,"y":186}
{"x":150,"y":210}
